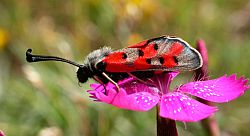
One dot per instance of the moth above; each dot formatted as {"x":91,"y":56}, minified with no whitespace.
{"x":141,"y":60}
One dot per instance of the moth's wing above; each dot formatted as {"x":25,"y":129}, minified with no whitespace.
{"x":162,"y":53}
{"x":146,"y":42}
{"x":121,"y":60}
{"x":189,"y":59}
{"x":178,"y":55}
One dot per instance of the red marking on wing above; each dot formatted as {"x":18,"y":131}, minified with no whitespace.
{"x":175,"y":50}
{"x":141,"y":64}
{"x":149,"y":51}
{"x":115,"y":63}
{"x":169,"y":63}
{"x":139,"y":45}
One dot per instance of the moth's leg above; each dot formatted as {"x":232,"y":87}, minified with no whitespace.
{"x":111,"y":80}
{"x":102,"y":84}
{"x":105,"y":92}
{"x":142,"y":81}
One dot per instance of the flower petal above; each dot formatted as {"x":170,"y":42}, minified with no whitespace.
{"x":142,"y":100}
{"x":102,"y":97}
{"x":222,"y":89}
{"x":97,"y":87}
{"x":134,"y":86}
{"x":162,"y":81}
{"x":178,"y":106}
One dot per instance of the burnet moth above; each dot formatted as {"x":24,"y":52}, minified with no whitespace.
{"x":141,"y":60}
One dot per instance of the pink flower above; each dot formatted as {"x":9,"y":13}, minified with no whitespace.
{"x":1,"y":133}
{"x":176,"y":104}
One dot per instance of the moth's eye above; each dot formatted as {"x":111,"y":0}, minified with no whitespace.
{"x":124,"y":56}
{"x":83,"y":73}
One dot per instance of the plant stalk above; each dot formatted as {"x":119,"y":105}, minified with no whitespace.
{"x":165,"y":127}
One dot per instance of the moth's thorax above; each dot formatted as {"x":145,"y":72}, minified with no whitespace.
{"x":89,"y":70}
{"x":96,"y":56}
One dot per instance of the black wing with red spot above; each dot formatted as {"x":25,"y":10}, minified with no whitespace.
{"x":162,"y":53}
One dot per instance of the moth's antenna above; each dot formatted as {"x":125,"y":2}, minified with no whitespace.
{"x":36,"y":58}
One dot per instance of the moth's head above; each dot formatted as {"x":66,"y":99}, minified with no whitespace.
{"x":83,"y":74}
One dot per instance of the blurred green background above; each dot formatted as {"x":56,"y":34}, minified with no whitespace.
{"x":45,"y":98}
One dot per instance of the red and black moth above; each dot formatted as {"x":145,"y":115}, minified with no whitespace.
{"x":141,"y":60}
